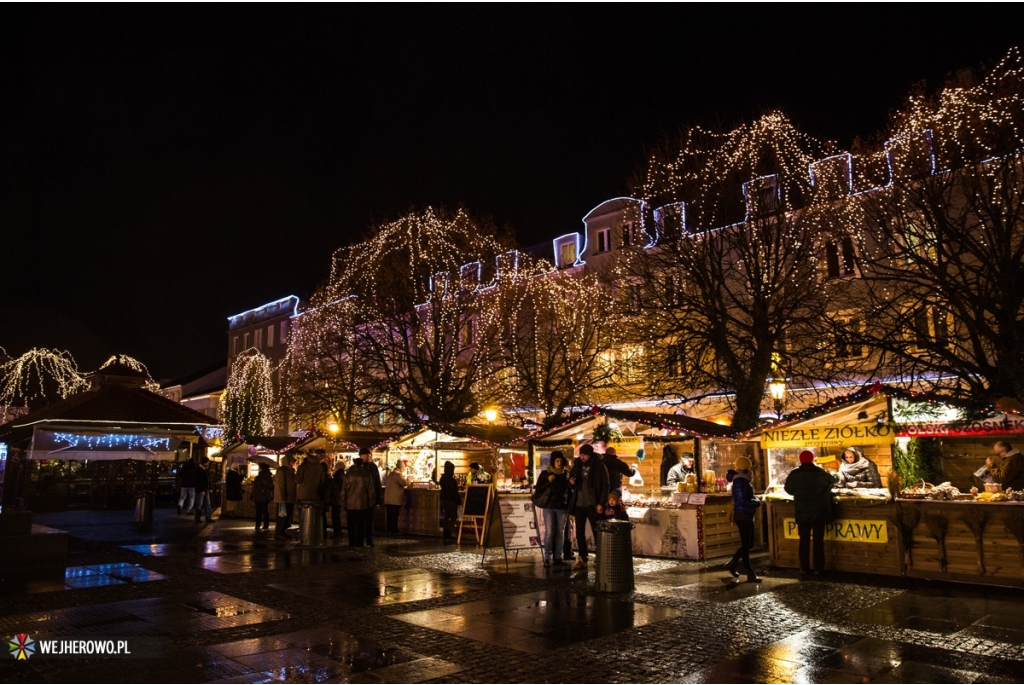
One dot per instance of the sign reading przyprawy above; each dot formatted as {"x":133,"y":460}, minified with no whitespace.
{"x":845,"y":530}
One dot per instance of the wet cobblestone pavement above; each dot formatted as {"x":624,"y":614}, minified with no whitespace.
{"x":229,"y":605}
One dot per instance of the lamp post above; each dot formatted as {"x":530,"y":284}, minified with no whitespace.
{"x":777,"y":389}
{"x":491,"y":414}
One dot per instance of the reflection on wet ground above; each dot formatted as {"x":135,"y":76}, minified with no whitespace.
{"x":203,"y":611}
{"x":72,"y":577}
{"x":707,"y":584}
{"x":822,"y":656}
{"x":539,"y":621}
{"x":383,"y":588}
{"x":328,"y":655}
{"x":948,"y":612}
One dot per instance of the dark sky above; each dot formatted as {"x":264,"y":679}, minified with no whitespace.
{"x":164,"y":167}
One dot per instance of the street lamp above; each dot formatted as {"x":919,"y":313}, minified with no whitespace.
{"x":491,"y":414}
{"x":777,"y":389}
{"x":333,"y":428}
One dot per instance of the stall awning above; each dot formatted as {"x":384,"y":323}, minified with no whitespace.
{"x":102,"y":446}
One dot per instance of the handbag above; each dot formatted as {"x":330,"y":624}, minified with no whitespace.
{"x":542,"y":497}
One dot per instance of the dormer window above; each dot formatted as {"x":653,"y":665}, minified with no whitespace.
{"x":604,"y":240}
{"x":762,"y":195}
{"x":566,"y":250}
{"x":670,"y":220}
{"x":628,"y":237}
{"x":840,"y":258}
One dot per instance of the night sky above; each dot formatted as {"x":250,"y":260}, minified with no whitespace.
{"x":164,"y":167}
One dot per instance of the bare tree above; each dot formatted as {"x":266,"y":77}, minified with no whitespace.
{"x":942,"y":252}
{"x":427,"y":327}
{"x":729,"y":293}
{"x":565,"y":324}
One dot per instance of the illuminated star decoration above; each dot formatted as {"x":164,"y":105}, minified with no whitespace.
{"x":22,"y":647}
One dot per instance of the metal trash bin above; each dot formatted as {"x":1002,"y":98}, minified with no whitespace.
{"x":615,"y":556}
{"x":144,"y":508}
{"x":311,"y":523}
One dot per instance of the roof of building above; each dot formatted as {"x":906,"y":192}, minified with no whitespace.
{"x":107,"y":405}
{"x":197,"y":375}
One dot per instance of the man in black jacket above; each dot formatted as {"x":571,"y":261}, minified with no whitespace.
{"x":378,"y":490}
{"x":589,"y":480}
{"x":203,"y":492}
{"x":616,"y":469}
{"x":811,"y":488}
{"x":187,"y":474}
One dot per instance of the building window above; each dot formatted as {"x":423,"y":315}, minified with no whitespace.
{"x":245,"y":341}
{"x":930,"y":326}
{"x":466,"y":334}
{"x":234,"y":345}
{"x":676,"y":360}
{"x":270,"y":335}
{"x":840,"y":258}
{"x":604,"y":242}
{"x":567,"y":254}
{"x":849,"y":330}
{"x":257,"y":338}
{"x":671,"y":297}
{"x":627,"y":234}
{"x":284,"y":332}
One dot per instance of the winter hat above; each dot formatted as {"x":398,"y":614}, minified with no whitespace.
{"x":806,"y":457}
{"x":742,"y":464}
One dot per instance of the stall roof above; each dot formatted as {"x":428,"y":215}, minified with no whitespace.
{"x":109,"y":407}
{"x":487,"y":435}
{"x":686,"y":426}
{"x":278,"y":444}
{"x":355,"y":439}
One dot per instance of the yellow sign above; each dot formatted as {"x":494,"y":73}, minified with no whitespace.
{"x":845,"y":530}
{"x":627,"y":447}
{"x":829,"y":436}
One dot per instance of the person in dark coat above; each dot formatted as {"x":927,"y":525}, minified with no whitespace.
{"x":450,"y":500}
{"x":187,"y":473}
{"x":589,"y":479}
{"x":232,"y":490}
{"x":685,"y":467}
{"x":744,"y":507}
{"x":811,"y":488}
{"x":553,"y":490}
{"x":262,"y":494}
{"x":616,"y":469}
{"x":203,"y":492}
{"x":337,"y":499}
{"x":378,"y":491}
{"x":1008,"y":468}
{"x":358,"y":503}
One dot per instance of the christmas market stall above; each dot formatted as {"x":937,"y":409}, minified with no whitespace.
{"x":679,"y":499}
{"x":889,"y":515}
{"x":99,"y":448}
{"x":499,"y":450}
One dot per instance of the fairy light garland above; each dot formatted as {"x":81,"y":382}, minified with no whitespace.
{"x":40,"y":374}
{"x":113,"y":441}
{"x":248,"y":400}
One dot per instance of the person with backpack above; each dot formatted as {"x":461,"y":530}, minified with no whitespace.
{"x":551,"y":496}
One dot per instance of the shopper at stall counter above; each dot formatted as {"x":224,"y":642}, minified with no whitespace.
{"x":284,"y":494}
{"x":744,"y":507}
{"x":551,"y":495}
{"x":616,"y":469}
{"x":477,"y":475}
{"x":589,"y":480}
{"x":857,"y":471}
{"x":262,"y":494}
{"x":811,"y":488}
{"x":1008,"y":469}
{"x":232,"y":490}
{"x":378,"y":491}
{"x":394,"y":497}
{"x":187,"y":474}
{"x":679,"y":472}
{"x":449,"y":500}
{"x":359,"y":499}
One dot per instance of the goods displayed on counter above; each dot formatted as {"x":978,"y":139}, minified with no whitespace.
{"x":631,"y":500}
{"x":946,"y":491}
{"x":865,"y":495}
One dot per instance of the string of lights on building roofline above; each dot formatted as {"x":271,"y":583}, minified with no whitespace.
{"x":114,"y":440}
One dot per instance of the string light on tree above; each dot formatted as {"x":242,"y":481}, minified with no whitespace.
{"x":249,"y":397}
{"x":35,"y":378}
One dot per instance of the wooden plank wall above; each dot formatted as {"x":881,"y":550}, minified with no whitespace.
{"x":855,"y":557}
{"x":721,"y":537}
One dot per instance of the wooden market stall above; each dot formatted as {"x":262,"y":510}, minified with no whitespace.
{"x":425,"y":451}
{"x":924,"y":531}
{"x":685,"y":521}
